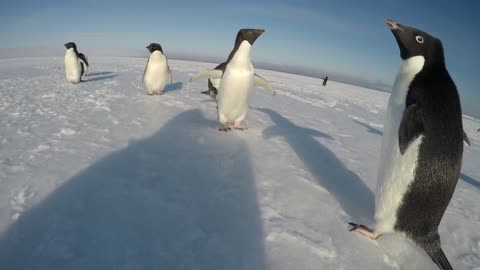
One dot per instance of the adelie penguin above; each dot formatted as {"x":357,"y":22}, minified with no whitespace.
{"x":325,"y":80}
{"x":157,"y":72}
{"x":237,"y":78}
{"x":422,"y":145}
{"x":76,"y":64}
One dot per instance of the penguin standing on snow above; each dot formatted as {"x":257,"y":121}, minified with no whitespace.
{"x":157,"y":72}
{"x":237,"y":79}
{"x":76,"y":64}
{"x":422,"y":145}
{"x":325,"y":80}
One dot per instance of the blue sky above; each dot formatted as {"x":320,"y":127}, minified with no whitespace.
{"x":347,"y":38}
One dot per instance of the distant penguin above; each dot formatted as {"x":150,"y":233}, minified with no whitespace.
{"x":157,"y":72}
{"x":76,"y":64}
{"x":422,"y":148}
{"x":325,"y":80}
{"x":237,"y":80}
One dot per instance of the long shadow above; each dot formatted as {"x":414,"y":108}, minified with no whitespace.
{"x":369,"y":128}
{"x":173,"y":87}
{"x":89,"y":79}
{"x":355,"y":198}
{"x":100,"y":73}
{"x":467,"y":179}
{"x":171,"y":201}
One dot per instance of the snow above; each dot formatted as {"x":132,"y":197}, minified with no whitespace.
{"x":101,"y":176}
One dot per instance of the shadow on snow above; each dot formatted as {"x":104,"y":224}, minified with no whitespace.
{"x":369,"y":128}
{"x":183,"y":198}
{"x":467,"y":179}
{"x":173,"y":87}
{"x":355,"y":198}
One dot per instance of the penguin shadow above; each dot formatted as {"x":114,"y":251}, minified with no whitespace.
{"x":170,"y":201}
{"x":100,"y":73}
{"x":369,"y":128}
{"x":469,"y":180}
{"x":353,"y":195}
{"x":104,"y":76}
{"x":173,"y":87}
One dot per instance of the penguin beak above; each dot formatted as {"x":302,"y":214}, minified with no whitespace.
{"x":256,"y":34}
{"x":393,"y":25}
{"x":401,"y":34}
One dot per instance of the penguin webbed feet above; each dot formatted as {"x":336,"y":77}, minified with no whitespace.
{"x":155,"y":94}
{"x":363,"y":230}
{"x":239,"y":126}
{"x":224,"y":128}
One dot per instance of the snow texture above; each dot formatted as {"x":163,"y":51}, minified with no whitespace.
{"x":99,"y":175}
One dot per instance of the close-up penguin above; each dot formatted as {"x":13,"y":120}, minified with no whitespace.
{"x":422,"y":145}
{"x":237,"y":80}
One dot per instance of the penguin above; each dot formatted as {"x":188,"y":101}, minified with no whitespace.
{"x":422,"y":145}
{"x":325,"y":80}
{"x":76,"y":64}
{"x":157,"y":72}
{"x":237,"y":80}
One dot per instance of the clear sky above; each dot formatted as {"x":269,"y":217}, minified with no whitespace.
{"x":331,"y":36}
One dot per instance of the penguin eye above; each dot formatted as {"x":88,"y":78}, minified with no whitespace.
{"x":419,"y":39}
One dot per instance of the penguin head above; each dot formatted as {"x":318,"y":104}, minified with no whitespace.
{"x":414,"y":42}
{"x":249,"y":35}
{"x":154,"y":47}
{"x":71,"y":45}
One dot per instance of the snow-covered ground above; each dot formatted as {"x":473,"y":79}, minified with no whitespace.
{"x":101,"y":176}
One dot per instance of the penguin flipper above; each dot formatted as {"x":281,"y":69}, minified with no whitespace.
{"x":465,"y":138}
{"x":410,"y":128}
{"x":212,"y":74}
{"x":261,"y":82}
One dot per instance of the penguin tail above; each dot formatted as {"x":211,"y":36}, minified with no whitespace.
{"x":434,"y":250}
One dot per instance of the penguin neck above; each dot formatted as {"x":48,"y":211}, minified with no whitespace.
{"x":242,"y":55}
{"x":409,"y":68}
{"x":158,"y":55}
{"x":71,"y":52}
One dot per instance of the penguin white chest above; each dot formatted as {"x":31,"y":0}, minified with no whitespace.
{"x":156,"y":73}
{"x":396,"y":171}
{"x":72,"y":67}
{"x":236,"y":85}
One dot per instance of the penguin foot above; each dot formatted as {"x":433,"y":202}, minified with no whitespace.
{"x":224,"y":128}
{"x":358,"y":228}
{"x":239,"y":126}
{"x":155,"y":94}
